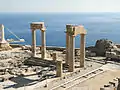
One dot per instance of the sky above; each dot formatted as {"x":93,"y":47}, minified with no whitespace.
{"x":59,"y":5}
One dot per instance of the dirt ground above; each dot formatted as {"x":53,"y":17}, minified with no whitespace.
{"x":100,"y":80}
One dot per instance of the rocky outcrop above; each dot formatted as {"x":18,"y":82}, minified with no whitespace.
{"x":102,"y":46}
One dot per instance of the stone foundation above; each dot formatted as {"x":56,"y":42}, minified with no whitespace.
{"x":5,"y":46}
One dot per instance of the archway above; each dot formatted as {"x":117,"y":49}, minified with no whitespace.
{"x":34,"y":27}
{"x":71,"y":32}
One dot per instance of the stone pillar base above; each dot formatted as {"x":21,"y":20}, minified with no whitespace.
{"x":5,"y":46}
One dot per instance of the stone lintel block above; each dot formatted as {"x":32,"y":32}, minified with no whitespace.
{"x":75,"y":29}
{"x":37,"y":25}
{"x":79,"y":30}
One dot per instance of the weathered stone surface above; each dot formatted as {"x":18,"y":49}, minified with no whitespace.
{"x":38,"y":62}
{"x":5,"y":46}
{"x":102,"y":46}
{"x":26,"y":47}
{"x":90,"y":54}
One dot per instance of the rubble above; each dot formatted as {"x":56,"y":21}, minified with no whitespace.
{"x":77,"y":52}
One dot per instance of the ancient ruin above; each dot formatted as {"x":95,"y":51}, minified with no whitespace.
{"x":4,"y":45}
{"x":71,"y":32}
{"x":34,"y":27}
{"x":59,"y":68}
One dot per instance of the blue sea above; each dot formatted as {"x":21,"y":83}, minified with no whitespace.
{"x":98,"y":26}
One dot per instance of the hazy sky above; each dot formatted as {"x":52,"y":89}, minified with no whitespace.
{"x":59,"y":5}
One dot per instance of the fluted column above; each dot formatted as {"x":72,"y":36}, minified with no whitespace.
{"x":72,"y":56}
{"x":82,"y":50}
{"x":43,"y":46}
{"x":34,"y":43}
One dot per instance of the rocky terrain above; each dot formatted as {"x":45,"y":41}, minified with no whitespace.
{"x":102,"y":46}
{"x":18,"y":61}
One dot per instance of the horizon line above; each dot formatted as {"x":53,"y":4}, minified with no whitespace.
{"x":61,"y":12}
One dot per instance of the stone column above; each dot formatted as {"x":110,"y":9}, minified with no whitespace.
{"x":34,"y":43}
{"x":43,"y":46}
{"x":59,"y":69}
{"x":82,"y":50}
{"x":68,"y":30}
{"x":2,"y":38}
{"x":71,"y":61}
{"x":118,"y":86}
{"x":67,"y":48}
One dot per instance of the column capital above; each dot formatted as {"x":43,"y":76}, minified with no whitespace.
{"x":43,"y":29}
{"x":1,"y":26}
{"x":33,"y":29}
{"x":83,"y":34}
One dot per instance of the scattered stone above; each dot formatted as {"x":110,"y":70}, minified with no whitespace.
{"x":77,"y":52}
{"x":1,"y":79}
{"x":90,"y":54}
{"x":5,"y":47}
{"x":26,"y":47}
{"x":64,"y":52}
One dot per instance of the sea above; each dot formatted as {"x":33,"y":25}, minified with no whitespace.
{"x":98,"y":26}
